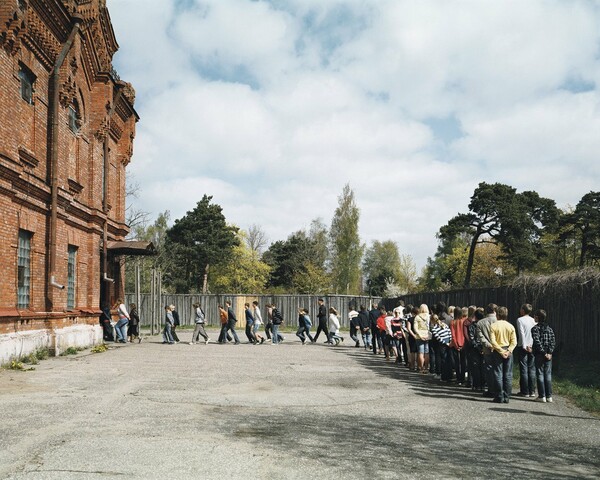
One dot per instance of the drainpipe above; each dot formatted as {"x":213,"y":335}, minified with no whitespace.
{"x":53,"y":158}
{"x":105,"y":193}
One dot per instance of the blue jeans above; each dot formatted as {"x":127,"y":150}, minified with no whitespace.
{"x":275,"y":334}
{"x":502,"y":368}
{"x":543,"y":370}
{"x":423,"y":346}
{"x":121,"y":329}
{"x":167,"y":335}
{"x":526,"y":372}
{"x":366,"y":336}
{"x":231,"y":326}
{"x":303,"y":333}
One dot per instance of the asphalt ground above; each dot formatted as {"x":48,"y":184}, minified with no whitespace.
{"x":182,"y":411}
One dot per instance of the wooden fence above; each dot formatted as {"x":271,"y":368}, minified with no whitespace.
{"x":288,"y":305}
{"x":572,"y":306}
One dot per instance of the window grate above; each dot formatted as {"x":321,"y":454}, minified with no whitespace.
{"x":24,"y":269}
{"x":71,"y":277}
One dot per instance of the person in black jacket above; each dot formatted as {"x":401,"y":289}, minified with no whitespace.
{"x":231,"y":321}
{"x":105,"y":321}
{"x":377,"y":340}
{"x":323,"y":317}
{"x":544,"y":343}
{"x":134,"y":324}
{"x":176,"y":323}
{"x":277,"y":321}
{"x":249,"y":324}
{"x":365,"y":326}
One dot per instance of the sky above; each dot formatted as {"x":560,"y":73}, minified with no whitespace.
{"x":273,"y":106}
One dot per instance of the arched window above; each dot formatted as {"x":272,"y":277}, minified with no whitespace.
{"x":74,"y":117}
{"x":27,"y":79}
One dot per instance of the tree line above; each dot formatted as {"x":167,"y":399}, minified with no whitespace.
{"x":201,"y":252}
{"x":503,"y":234}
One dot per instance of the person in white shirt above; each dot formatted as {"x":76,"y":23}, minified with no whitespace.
{"x":354,"y":322}
{"x":334,"y":327}
{"x":121,"y":326}
{"x":525,"y":355}
{"x":257,"y":322}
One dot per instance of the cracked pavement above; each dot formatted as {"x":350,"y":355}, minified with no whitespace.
{"x":273,"y":412}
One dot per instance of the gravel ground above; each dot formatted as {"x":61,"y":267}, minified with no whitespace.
{"x":273,"y":412}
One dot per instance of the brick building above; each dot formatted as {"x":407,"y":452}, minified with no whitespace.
{"x":67,"y":124}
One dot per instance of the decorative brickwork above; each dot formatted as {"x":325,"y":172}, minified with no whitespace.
{"x":93,"y":141}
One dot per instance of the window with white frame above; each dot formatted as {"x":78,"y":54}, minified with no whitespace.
{"x":71,"y":276}
{"x":24,"y":269}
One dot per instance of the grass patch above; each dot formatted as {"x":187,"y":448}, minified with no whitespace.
{"x":99,"y":348}
{"x":30,"y":359}
{"x":17,"y":365}
{"x":577,"y":379}
{"x":33,"y":358}
{"x":42,"y":354}
{"x":71,"y":351}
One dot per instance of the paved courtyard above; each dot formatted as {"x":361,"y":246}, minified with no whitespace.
{"x":273,"y":412}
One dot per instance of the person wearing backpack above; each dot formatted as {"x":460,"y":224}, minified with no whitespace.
{"x":277,"y":321}
{"x":200,"y":321}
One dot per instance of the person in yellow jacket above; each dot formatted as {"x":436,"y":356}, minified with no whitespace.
{"x":503,"y":339}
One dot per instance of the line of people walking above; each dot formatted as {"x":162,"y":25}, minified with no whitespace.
{"x":471,"y":346}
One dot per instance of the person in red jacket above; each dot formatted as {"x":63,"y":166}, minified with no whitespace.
{"x":457,"y":345}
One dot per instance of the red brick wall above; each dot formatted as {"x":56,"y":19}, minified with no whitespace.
{"x":25,"y":190}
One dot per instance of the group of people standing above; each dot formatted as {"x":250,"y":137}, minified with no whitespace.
{"x":473,"y":346}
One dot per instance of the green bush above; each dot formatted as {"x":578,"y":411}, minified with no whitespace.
{"x":71,"y":351}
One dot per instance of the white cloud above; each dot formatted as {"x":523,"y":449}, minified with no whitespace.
{"x":273,"y":106}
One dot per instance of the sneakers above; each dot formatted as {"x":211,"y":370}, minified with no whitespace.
{"x":549,"y":399}
{"x":541,"y":399}
{"x":192,"y":343}
{"x":206,"y":341}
